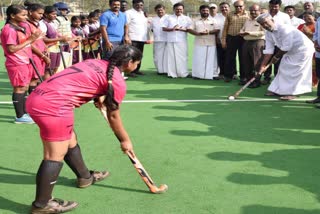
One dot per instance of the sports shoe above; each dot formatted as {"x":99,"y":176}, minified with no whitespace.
{"x":25,"y":119}
{"x":54,"y":205}
{"x":96,"y":176}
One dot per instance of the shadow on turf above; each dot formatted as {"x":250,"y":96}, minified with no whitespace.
{"x":254,"y":209}
{"x":296,"y":167}
{"x":6,"y":204}
{"x":290,"y":123}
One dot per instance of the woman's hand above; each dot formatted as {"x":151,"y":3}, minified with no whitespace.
{"x":126,"y":146}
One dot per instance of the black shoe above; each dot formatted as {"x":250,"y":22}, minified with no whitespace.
{"x":314,"y":101}
{"x":266,"y":81}
{"x":254,"y":84}
{"x":139,"y":72}
{"x":226,"y":79}
{"x":242,"y":81}
{"x":216,"y":78}
{"x":132,"y":75}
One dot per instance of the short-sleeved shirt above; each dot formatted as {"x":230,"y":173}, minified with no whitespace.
{"x":12,"y":35}
{"x":115,"y":25}
{"x":74,"y":87}
{"x":138,"y":25}
{"x":182,"y":21}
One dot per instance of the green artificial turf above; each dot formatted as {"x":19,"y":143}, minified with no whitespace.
{"x":246,"y":157}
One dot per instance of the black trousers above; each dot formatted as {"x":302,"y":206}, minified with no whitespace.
{"x":140,"y":46}
{"x":221,"y":52}
{"x":234,"y":44}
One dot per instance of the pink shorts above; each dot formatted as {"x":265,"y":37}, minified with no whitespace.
{"x":20,"y":75}
{"x":54,"y":128}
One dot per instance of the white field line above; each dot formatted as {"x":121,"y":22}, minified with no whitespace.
{"x":197,"y":101}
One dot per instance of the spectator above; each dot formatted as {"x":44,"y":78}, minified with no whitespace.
{"x":316,"y":40}
{"x":176,"y":57}
{"x":138,"y":29}
{"x":160,"y":38}
{"x":219,"y":19}
{"x":295,"y":22}
{"x":308,"y":29}
{"x":123,"y":6}
{"x":253,"y":45}
{"x":204,"y":64}
{"x":296,"y":50}
{"x":308,"y":7}
{"x":232,"y":41}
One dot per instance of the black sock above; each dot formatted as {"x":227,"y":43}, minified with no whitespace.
{"x":18,"y":103}
{"x":47,"y":175}
{"x":75,"y":161}
{"x":31,"y":88}
{"x":24,"y":102}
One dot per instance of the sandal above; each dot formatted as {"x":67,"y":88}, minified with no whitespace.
{"x":96,"y":176}
{"x":288,"y":97}
{"x":271,"y":94}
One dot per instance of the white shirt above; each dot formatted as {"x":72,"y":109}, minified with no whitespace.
{"x":156,"y":26}
{"x":137,"y":24}
{"x":287,"y":38}
{"x":316,"y":36}
{"x":182,"y":21}
{"x":295,"y":22}
{"x":281,"y":18}
{"x":219,"y":20}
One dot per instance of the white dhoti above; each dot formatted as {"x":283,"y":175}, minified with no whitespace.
{"x":294,"y":75}
{"x":205,"y":62}
{"x":176,"y":59}
{"x":158,"y":56}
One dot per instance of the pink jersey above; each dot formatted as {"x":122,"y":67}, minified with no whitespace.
{"x":72,"y":87}
{"x":13,"y":35}
{"x":32,"y":27}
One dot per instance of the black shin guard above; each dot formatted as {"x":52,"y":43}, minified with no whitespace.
{"x":18,"y":103}
{"x":75,"y":161}
{"x":31,"y":88}
{"x":47,"y":175}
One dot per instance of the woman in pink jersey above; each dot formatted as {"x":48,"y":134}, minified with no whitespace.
{"x":39,"y":49}
{"x":16,"y":43}
{"x":51,"y":105}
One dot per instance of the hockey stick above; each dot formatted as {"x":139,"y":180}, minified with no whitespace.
{"x":140,"y":169}
{"x":235,"y":95}
{"x":36,"y":69}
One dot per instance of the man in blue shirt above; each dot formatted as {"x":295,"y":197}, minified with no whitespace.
{"x":113,"y":27}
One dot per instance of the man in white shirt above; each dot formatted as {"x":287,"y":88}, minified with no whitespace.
{"x":278,"y":18}
{"x":296,"y":50}
{"x":295,"y":22}
{"x":205,"y":62}
{"x":176,"y":57}
{"x":160,"y":38}
{"x":138,"y":29}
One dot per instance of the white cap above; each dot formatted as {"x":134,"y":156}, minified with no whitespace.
{"x":213,"y":5}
